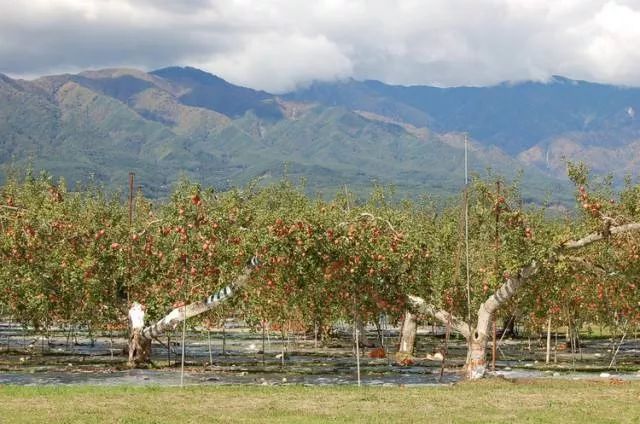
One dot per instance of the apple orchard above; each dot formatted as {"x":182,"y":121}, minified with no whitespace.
{"x":77,"y":258}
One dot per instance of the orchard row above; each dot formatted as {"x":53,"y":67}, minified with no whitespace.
{"x":81,"y":257}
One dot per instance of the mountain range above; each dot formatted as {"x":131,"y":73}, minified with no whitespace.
{"x":176,"y":121}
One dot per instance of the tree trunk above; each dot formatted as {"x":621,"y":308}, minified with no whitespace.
{"x":476,"y":365}
{"x":139,"y":346}
{"x":141,"y":336}
{"x":139,"y":349}
{"x":363,"y":339}
{"x":408,"y":333}
{"x":509,"y":327}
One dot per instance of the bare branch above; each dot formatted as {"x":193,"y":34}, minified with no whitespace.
{"x":373,"y":217}
{"x":177,"y":315}
{"x":591,"y":238}
{"x":370,"y":215}
{"x":441,"y":315}
{"x":597,"y":269}
{"x":148,"y":225}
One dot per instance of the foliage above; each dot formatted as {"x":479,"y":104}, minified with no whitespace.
{"x":74,"y":257}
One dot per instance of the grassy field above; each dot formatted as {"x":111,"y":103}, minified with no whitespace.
{"x":486,"y":401}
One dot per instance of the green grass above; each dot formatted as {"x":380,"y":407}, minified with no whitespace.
{"x":485,"y":401}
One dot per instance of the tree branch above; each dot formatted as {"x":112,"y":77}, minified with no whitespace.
{"x":593,"y":237}
{"x":443,"y":316}
{"x":373,"y":217}
{"x":509,"y":288}
{"x":505,"y":292}
{"x":597,"y":269}
{"x":177,"y":315}
{"x":12,"y":208}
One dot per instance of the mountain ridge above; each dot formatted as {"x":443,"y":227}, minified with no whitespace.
{"x":183,"y":121}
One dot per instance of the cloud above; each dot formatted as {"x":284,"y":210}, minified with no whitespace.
{"x":280,"y":44}
{"x":281,"y":62}
{"x":612,"y":49}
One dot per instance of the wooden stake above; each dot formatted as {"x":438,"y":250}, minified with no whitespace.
{"x":548,"y":340}
{"x":555,"y":349}
{"x":224,"y":338}
{"x":169,"y":350}
{"x":263,"y":359}
{"x":494,"y":346}
{"x":357,"y":338}
{"x":184,"y":332}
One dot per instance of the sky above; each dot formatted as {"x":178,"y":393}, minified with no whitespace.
{"x":280,"y":45}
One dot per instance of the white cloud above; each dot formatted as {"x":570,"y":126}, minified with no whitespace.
{"x":280,"y":62}
{"x":279,"y":44}
{"x":613,"y":50}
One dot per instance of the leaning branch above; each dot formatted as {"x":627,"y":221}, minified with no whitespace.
{"x":176,"y":316}
{"x":505,"y":292}
{"x":509,"y":288}
{"x":376,"y":218}
{"x":444,"y":317}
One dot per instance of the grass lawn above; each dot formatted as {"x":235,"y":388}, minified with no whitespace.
{"x":485,"y":401}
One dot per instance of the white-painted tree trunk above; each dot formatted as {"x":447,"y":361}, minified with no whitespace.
{"x":140,"y":341}
{"x":476,"y":364}
{"x":139,"y":346}
{"x":408,"y":333}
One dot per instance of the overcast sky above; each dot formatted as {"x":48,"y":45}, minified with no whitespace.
{"x":277,"y":45}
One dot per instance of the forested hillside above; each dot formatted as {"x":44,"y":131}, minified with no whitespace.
{"x":103,"y":124}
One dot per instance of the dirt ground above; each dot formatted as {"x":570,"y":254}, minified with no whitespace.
{"x":238,"y":355}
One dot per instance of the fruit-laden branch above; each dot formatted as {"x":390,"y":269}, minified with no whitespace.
{"x":512,"y":284}
{"x":509,"y":288}
{"x":177,"y":315}
{"x":475,"y":366}
{"x":506,"y":291}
